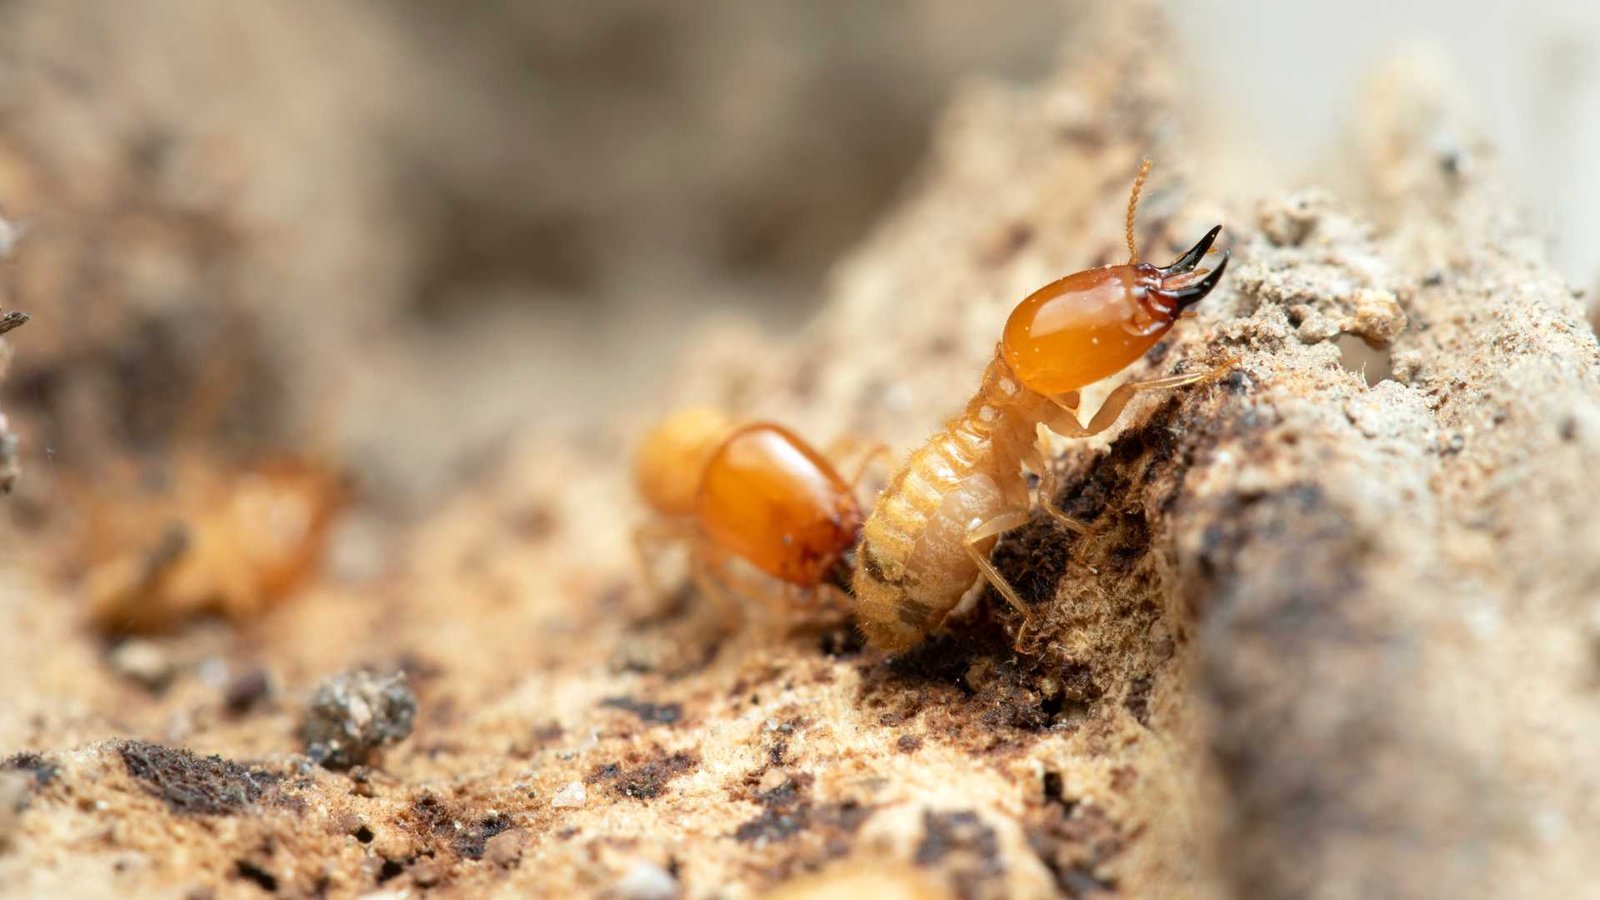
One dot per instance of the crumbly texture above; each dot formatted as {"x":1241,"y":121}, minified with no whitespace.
{"x":353,"y":715}
{"x":1332,"y":632}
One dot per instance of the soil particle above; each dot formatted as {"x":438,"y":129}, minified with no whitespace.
{"x":194,"y":784}
{"x":353,"y":714}
{"x":570,"y":797}
{"x":426,"y":874}
{"x":143,"y":662}
{"x":247,"y":691}
{"x":1034,"y":558}
{"x":505,"y":849}
{"x":644,"y":880}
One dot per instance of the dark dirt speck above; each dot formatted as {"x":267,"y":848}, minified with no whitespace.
{"x":785,"y":813}
{"x":788,"y":810}
{"x":648,"y":780}
{"x":1075,"y":842}
{"x":842,"y":642}
{"x":246,"y":870}
{"x":194,"y":784}
{"x":43,"y":770}
{"x":963,"y":845}
{"x":649,"y":713}
{"x":1138,"y":700}
{"x":250,"y":690}
{"x":465,"y":831}
{"x":473,"y":839}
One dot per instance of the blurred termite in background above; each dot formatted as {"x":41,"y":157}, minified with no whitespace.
{"x":754,"y":493}
{"x":229,"y":543}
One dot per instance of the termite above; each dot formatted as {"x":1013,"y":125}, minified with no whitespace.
{"x":235,"y":543}
{"x":930,"y":535}
{"x":755,"y":492}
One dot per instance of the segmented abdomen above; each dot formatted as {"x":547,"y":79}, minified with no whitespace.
{"x":912,"y":566}
{"x":892,"y":581}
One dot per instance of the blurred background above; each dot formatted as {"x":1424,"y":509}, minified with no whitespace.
{"x":396,"y":232}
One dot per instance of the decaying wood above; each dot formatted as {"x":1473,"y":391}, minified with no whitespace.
{"x":1331,"y":633}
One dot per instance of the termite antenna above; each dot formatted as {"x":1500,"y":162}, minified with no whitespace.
{"x":1133,"y":206}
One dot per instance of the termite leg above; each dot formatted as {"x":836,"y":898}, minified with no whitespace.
{"x":993,"y":528}
{"x":706,"y":581}
{"x":1049,"y":486}
{"x":1112,"y":409}
{"x":649,"y":538}
{"x":714,"y":579}
{"x":816,"y":603}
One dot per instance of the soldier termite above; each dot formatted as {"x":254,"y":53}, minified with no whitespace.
{"x":930,"y":534}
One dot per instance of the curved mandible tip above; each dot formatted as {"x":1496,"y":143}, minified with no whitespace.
{"x":1190,"y":294}
{"x":1189,"y":260}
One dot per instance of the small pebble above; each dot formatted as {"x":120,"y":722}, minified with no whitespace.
{"x":505,"y":848}
{"x":143,"y":662}
{"x":426,"y":874}
{"x":645,"y":880}
{"x":353,"y":714}
{"x":247,"y":691}
{"x":1405,"y":365}
{"x":772,"y":779}
{"x":1317,"y":328}
{"x":570,"y":796}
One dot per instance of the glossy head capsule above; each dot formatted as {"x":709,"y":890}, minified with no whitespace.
{"x":768,"y":497}
{"x":1093,"y":324}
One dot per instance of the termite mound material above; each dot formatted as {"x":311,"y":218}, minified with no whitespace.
{"x":1331,"y":632}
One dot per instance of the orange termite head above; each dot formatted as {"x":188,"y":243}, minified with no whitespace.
{"x":1092,"y":324}
{"x":671,"y":457}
